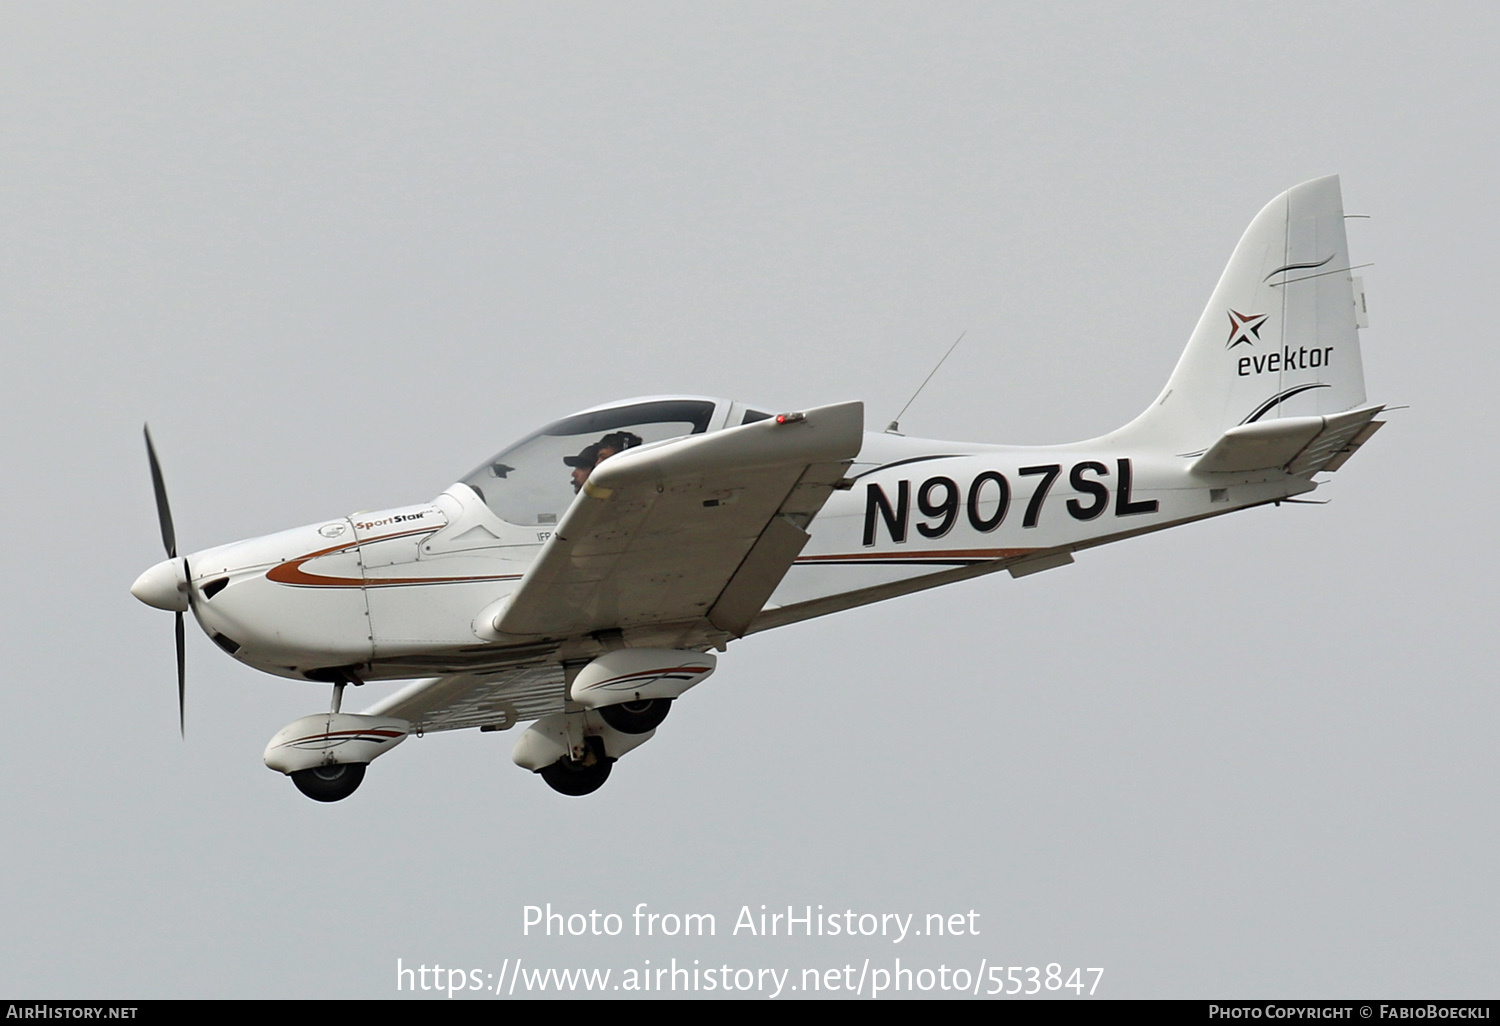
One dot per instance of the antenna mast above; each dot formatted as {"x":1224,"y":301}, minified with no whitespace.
{"x":892,"y":428}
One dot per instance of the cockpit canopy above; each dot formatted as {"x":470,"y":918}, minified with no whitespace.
{"x":533,"y":482}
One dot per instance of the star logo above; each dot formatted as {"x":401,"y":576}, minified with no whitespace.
{"x":1242,"y":327}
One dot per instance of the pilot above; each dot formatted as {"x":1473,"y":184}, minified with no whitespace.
{"x":590,"y":456}
{"x":583,"y":464}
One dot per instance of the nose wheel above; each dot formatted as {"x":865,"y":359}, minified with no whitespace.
{"x":330,"y":783}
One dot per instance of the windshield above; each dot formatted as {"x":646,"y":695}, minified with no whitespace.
{"x":534,"y":481}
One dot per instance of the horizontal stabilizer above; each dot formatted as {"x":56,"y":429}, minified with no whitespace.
{"x":1300,"y":445}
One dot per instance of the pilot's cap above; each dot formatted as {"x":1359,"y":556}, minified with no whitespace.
{"x":586,"y":458}
{"x":619,"y":441}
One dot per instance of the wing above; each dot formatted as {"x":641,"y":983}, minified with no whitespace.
{"x":497,"y":699}
{"x":697,"y":529}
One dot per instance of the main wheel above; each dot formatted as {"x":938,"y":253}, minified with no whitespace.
{"x":567,"y":776}
{"x":330,"y":783}
{"x":636,"y":717}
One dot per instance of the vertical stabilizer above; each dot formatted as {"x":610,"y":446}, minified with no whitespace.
{"x":1278,"y":338}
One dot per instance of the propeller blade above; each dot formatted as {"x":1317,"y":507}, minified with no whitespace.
{"x":181,"y":679}
{"x":163,"y":511}
{"x":169,"y":541}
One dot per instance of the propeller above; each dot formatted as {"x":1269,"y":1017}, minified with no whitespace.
{"x":169,"y":542}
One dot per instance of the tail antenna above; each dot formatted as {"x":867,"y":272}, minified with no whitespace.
{"x":894,"y":427}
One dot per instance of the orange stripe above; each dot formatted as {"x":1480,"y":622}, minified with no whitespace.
{"x":856,"y":557}
{"x":291,"y":571}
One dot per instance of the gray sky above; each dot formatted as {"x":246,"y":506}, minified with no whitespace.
{"x":338,"y":254}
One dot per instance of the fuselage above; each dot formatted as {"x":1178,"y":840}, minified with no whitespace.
{"x":409,"y":592}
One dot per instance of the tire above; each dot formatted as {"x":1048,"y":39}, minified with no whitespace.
{"x":566,"y":776}
{"x":636,"y":717}
{"x":330,"y":783}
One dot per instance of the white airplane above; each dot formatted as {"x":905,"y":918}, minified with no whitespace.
{"x":582,"y":578}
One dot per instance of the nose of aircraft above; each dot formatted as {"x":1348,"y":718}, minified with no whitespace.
{"x":164,"y":586}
